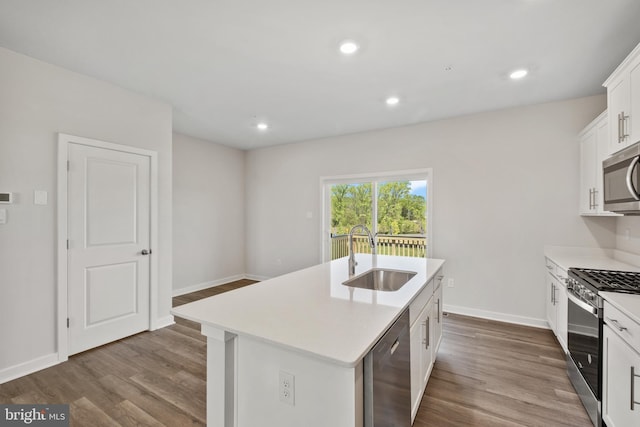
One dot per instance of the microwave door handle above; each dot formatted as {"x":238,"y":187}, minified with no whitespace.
{"x":630,"y":186}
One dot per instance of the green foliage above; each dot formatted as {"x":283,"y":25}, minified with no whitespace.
{"x":399,"y":211}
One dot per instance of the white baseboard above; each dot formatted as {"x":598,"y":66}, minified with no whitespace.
{"x":255,"y":277}
{"x":26,"y":368}
{"x":207,"y":285}
{"x":163,"y":322}
{"x":501,"y":317}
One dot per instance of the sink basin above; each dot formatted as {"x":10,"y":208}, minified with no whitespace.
{"x":380,"y":279}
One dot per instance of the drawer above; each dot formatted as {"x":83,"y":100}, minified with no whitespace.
{"x":551,"y":266}
{"x":420,"y":301}
{"x":561,"y":274}
{"x":622,"y":325}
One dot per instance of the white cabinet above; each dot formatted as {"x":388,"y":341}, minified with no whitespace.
{"x":593,"y":150}
{"x":623,"y":103}
{"x":425,"y":334}
{"x":556,"y":301}
{"x":621,"y":370}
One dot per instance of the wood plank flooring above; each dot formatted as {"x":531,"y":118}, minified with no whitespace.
{"x":487,"y":374}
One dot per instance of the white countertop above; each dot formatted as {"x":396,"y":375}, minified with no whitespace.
{"x":605,"y":259}
{"x":628,"y":304}
{"x":311,"y":311}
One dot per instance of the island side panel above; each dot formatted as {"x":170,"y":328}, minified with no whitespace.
{"x":325,"y":394}
{"x":221,"y":377}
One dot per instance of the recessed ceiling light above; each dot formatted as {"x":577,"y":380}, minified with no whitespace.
{"x":392,"y":100}
{"x":262,"y":126}
{"x":518,"y":74}
{"x":349,"y":47}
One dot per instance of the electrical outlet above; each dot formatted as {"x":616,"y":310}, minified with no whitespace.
{"x":287,"y":388}
{"x":451,"y":283}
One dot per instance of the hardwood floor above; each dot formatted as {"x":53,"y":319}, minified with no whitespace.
{"x":487,"y":374}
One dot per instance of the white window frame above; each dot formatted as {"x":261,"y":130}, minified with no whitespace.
{"x":403,"y":175}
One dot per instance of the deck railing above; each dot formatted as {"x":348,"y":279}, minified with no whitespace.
{"x":413,"y":246}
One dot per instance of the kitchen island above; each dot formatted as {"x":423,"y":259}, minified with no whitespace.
{"x":289,"y":351}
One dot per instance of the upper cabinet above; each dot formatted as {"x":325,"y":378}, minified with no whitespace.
{"x":623,"y":103}
{"x":594,"y":148}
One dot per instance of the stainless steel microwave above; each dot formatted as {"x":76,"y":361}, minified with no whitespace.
{"x":621,"y":173}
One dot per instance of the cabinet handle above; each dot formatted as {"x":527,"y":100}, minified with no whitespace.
{"x":439,"y":311}
{"x":619,"y":128}
{"x":595,"y":203}
{"x":633,"y":388}
{"x":427,"y":336}
{"x":617,"y":324}
{"x":624,"y":135}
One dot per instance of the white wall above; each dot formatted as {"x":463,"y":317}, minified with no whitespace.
{"x":505,"y":185}
{"x":208,"y":214}
{"x":38,"y":100}
{"x":628,"y":234}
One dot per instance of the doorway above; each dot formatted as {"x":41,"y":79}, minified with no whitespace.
{"x":106,"y":206}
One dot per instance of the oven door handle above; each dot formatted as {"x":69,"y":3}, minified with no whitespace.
{"x":630,"y":186}
{"x":583,"y":305}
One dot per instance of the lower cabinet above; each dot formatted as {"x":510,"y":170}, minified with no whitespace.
{"x":621,"y":372}
{"x":425,"y":337}
{"x":557,"y":301}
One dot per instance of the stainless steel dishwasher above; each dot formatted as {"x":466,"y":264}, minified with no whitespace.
{"x":387,"y":378}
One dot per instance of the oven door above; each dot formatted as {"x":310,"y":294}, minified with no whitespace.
{"x":584,"y":332}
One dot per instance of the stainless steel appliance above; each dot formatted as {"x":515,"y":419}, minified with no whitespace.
{"x":621,"y":176}
{"x":387,"y":378}
{"x":585,"y":323}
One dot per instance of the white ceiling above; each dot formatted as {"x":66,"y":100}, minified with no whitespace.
{"x":225,"y":64}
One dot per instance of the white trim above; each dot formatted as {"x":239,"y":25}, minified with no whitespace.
{"x":63,"y":150}
{"x":492,"y":315}
{"x":206,"y":285}
{"x":163,"y":322}
{"x":26,"y":368}
{"x":399,"y":175}
{"x":256,"y":277}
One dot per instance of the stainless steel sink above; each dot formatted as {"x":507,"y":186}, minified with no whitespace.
{"x":380,"y":279}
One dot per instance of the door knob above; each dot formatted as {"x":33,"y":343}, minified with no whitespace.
{"x":146,"y":252}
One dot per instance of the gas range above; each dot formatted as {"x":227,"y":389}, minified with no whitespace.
{"x":587,"y":283}
{"x":585,"y":329}
{"x":607,"y":280}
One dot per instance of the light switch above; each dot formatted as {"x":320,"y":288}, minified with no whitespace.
{"x":3,"y":216}
{"x":39,"y":197}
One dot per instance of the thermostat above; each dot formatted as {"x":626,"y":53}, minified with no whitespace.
{"x":6,"y":197}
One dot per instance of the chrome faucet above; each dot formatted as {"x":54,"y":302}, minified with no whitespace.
{"x":352,"y":258}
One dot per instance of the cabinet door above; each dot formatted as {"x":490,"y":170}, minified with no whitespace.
{"x":588,"y":159}
{"x":562,"y":311}
{"x":618,"y":101}
{"x":415,"y":334}
{"x":427,"y":323}
{"x":633,"y":125}
{"x":437,"y":332}
{"x":618,"y":384}
{"x":552,"y":314}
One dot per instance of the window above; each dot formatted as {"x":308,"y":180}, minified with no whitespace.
{"x":395,"y":207}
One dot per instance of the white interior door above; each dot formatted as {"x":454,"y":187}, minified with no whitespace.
{"x":108,"y":255}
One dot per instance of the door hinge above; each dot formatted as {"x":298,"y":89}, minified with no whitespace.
{"x":67,"y":322}
{"x":67,"y":244}
{"x":68,"y":165}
